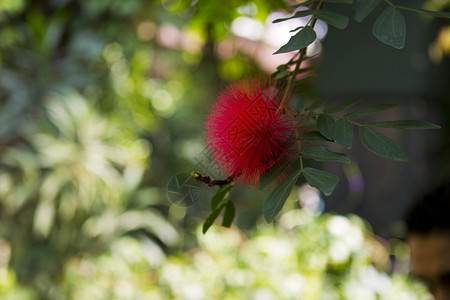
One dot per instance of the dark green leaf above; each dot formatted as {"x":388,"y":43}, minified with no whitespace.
{"x":316,"y":104}
{"x":276,"y":172}
{"x":228,"y":215}
{"x":343,"y":134}
{"x":278,"y":197}
{"x":367,"y":111}
{"x":323,"y":181}
{"x":436,"y":14}
{"x":390,"y":28}
{"x":405,"y":124}
{"x":363,"y":8}
{"x":313,"y":136}
{"x":340,"y":107}
{"x":381,"y":144}
{"x":299,"y":14}
{"x":339,"y":1}
{"x":326,"y":126}
{"x":331,"y":18}
{"x":299,"y":41}
{"x":298,"y":102}
{"x":320,"y":153}
{"x":307,"y":2}
{"x":221,"y":193}
{"x":211,"y":218}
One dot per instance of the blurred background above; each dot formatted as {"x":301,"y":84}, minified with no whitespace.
{"x":103,"y":102}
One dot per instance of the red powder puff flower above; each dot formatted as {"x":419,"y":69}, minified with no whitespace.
{"x":246,"y":132}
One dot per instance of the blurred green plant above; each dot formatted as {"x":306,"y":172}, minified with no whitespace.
{"x":76,"y":183}
{"x":305,"y":257}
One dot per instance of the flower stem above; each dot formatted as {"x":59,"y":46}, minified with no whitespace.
{"x":302,"y":53}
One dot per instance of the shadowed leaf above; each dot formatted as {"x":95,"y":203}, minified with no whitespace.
{"x":381,"y":144}
{"x":362,"y":8}
{"x":299,"y":41}
{"x":322,"y":180}
{"x":405,"y":124}
{"x":278,"y":197}
{"x":228,"y":215}
{"x":390,"y":28}
{"x":367,"y":111}
{"x":320,"y":153}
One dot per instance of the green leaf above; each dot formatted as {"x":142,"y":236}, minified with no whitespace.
{"x":326,"y":126}
{"x":362,"y":8}
{"x":381,"y":144}
{"x":299,"y":41}
{"x":228,"y":215}
{"x":436,"y":14}
{"x":313,"y":136}
{"x":221,"y":193}
{"x":297,"y":102}
{"x":367,"y":111}
{"x":343,"y":134}
{"x":390,"y":28}
{"x":278,"y":197}
{"x":323,"y":181}
{"x":276,"y":172}
{"x":339,"y":1}
{"x":340,"y":107}
{"x":307,"y":2}
{"x":211,"y":218}
{"x":320,"y":153}
{"x":316,"y":104}
{"x":405,"y":124}
{"x":299,"y":14}
{"x":331,"y":18}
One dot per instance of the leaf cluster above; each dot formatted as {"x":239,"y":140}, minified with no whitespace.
{"x":389,"y":27}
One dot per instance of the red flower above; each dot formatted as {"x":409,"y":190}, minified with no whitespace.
{"x":246,"y":133}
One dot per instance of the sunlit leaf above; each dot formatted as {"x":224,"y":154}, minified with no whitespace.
{"x":320,"y":153}
{"x":299,"y":41}
{"x":390,"y":28}
{"x":362,"y":8}
{"x":322,"y":180}
{"x":220,"y":195}
{"x":367,"y":111}
{"x":228,"y":215}
{"x":405,"y":124}
{"x":331,"y":18}
{"x":340,"y":107}
{"x":278,"y":197}
{"x":381,"y":144}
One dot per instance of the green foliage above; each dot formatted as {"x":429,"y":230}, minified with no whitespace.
{"x":278,"y":196}
{"x":228,"y":215}
{"x":300,"y":40}
{"x":320,"y":153}
{"x":404,"y":124}
{"x":362,"y":8}
{"x":381,"y":144}
{"x":322,"y":180}
{"x":390,"y":28}
{"x":304,"y":257}
{"x":331,"y":18}
{"x":367,"y":111}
